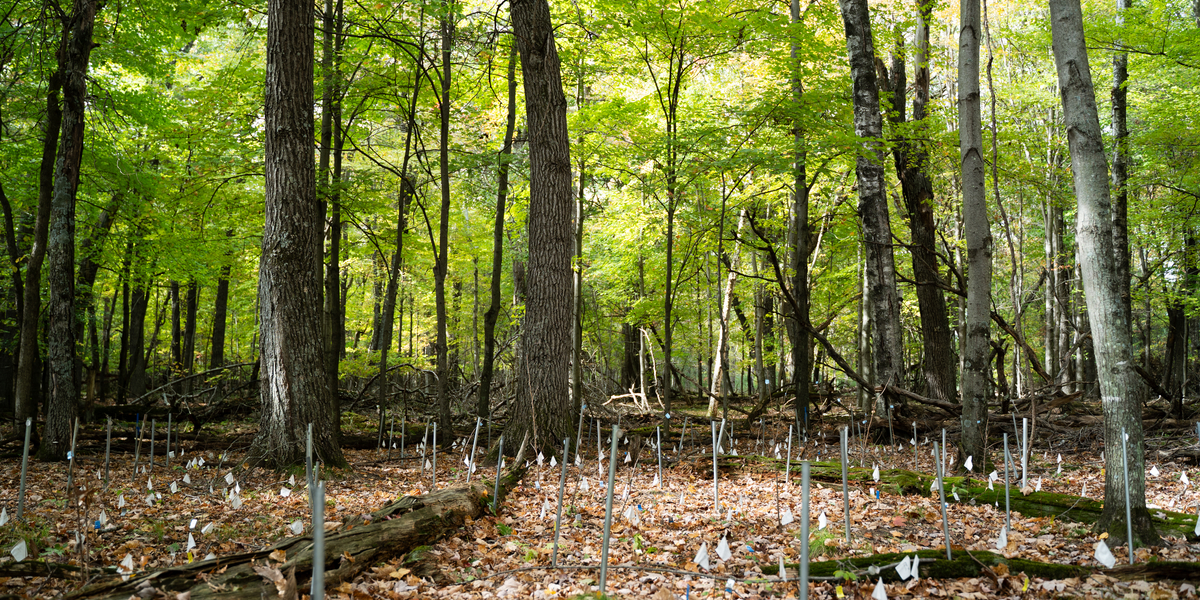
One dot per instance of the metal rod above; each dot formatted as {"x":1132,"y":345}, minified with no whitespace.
{"x":137,"y":444}
{"x":787,"y":473}
{"x":683,"y":434}
{"x":804,"y":525}
{"x":391,"y":436}
{"x":153,"y":427}
{"x":579,"y":433}
{"x":317,"y":590}
{"x":716,"y":491}
{"x":403,"y":430}
{"x":499,"y":464}
{"x":433,"y":485}
{"x":308,"y":469}
{"x":71,"y":460}
{"x":845,"y":487}
{"x":914,"y":446}
{"x":608,"y":500}
{"x":169,"y":423}
{"x":942,"y":495}
{"x":474,"y":443}
{"x":1007,"y":465}
{"x":1024,"y":452}
{"x":107,"y":451}
{"x":24,"y":469}
{"x":1125,"y":473}
{"x":658,"y":433}
{"x":562,"y":484}
{"x":424,"y":437}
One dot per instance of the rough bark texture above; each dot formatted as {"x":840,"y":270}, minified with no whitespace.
{"x":1120,"y":169}
{"x":1120,"y":387}
{"x":883,"y":299}
{"x":483,"y":406}
{"x":216,"y":357}
{"x":976,"y":389}
{"x":60,"y":337}
{"x":799,"y":314}
{"x":543,"y":409}
{"x":390,"y":532}
{"x":439,"y":270}
{"x":295,"y":391}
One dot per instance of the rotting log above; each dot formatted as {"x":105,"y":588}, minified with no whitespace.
{"x":976,"y":563}
{"x":905,"y":482}
{"x":355,"y":546}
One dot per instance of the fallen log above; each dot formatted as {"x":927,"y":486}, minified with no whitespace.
{"x":357,"y":545}
{"x":976,"y":563}
{"x":905,"y":482}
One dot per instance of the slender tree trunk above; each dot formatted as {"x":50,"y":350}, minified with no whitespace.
{"x":883,"y":298}
{"x":976,"y":348}
{"x":10,"y":330}
{"x":176,"y":328}
{"x":442,"y":258}
{"x":540,"y":410}
{"x":88,"y":268}
{"x":719,"y":386}
{"x":61,"y":350}
{"x":295,"y":390}
{"x":1120,"y":388}
{"x":29,"y":354}
{"x":216,"y":357}
{"x":332,"y":326}
{"x":483,"y":406}
{"x":1120,"y":167}
{"x":799,"y":314}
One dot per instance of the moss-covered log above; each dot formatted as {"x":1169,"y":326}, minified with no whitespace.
{"x":934,"y":565}
{"x":905,"y":482}
{"x":357,"y":545}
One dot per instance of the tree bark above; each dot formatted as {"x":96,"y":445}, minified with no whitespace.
{"x":976,"y":348}
{"x":483,"y":406}
{"x":29,"y":354}
{"x":442,"y":257}
{"x":216,"y":357}
{"x":542,"y":409}
{"x":295,"y":390}
{"x":798,"y":316}
{"x":1120,"y":168}
{"x":883,"y":298}
{"x":60,"y":337}
{"x":1120,"y":387}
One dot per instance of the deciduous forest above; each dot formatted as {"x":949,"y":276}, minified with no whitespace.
{"x":334,"y":239}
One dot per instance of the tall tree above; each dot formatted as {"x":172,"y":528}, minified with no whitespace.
{"x":295,"y":391}
{"x":544,"y":410}
{"x":443,"y":248}
{"x":1120,"y":166}
{"x":882,"y":297}
{"x":60,"y":337}
{"x":798,"y":320}
{"x":483,"y":406}
{"x":1120,"y":387}
{"x":976,"y":390}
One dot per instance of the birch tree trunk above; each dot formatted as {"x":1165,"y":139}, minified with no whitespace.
{"x":1120,"y":388}
{"x":883,"y":300}
{"x":976,"y":389}
{"x":720,"y":368}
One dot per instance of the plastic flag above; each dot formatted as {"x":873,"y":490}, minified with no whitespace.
{"x":723,"y":549}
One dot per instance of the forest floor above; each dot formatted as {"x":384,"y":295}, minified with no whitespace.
{"x":658,"y":527}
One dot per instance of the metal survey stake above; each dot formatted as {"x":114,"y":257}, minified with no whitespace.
{"x":845,"y":487}
{"x":612,"y":472}
{"x":403,"y":430}
{"x":599,"y":452}
{"x":474,"y":442}
{"x":1007,"y":464}
{"x":24,"y":470}
{"x":1125,"y":473}
{"x":423,"y":445}
{"x":391,"y":436}
{"x":716,"y":492}
{"x":168,"y":439}
{"x":658,"y":433}
{"x":683,"y":434}
{"x":71,"y":459}
{"x":137,"y":444}
{"x":433,"y":485}
{"x":787,"y":473}
{"x":721,"y":437}
{"x":942,"y":494}
{"x":308,"y":469}
{"x":317,"y":590}
{"x":107,"y":451}
{"x":153,"y":427}
{"x":1024,"y":452}
{"x":914,"y":446}
{"x":943,"y":455}
{"x":499,"y":464}
{"x":562,"y":484}
{"x":579,"y":433}
{"x":804,"y":525}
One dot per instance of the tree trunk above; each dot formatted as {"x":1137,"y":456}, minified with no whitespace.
{"x":541,"y":410}
{"x":1175,"y":363}
{"x":139,"y":303}
{"x":88,"y":268}
{"x":295,"y":390}
{"x":176,"y":328}
{"x":976,"y":348}
{"x":719,"y":388}
{"x":27,"y":388}
{"x":799,"y":314}
{"x":61,"y":350}
{"x":483,"y":406}
{"x":1120,"y":168}
{"x":216,"y":357}
{"x":442,"y":258}
{"x":883,"y":299}
{"x":1120,"y":388}
{"x":10,"y":330}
